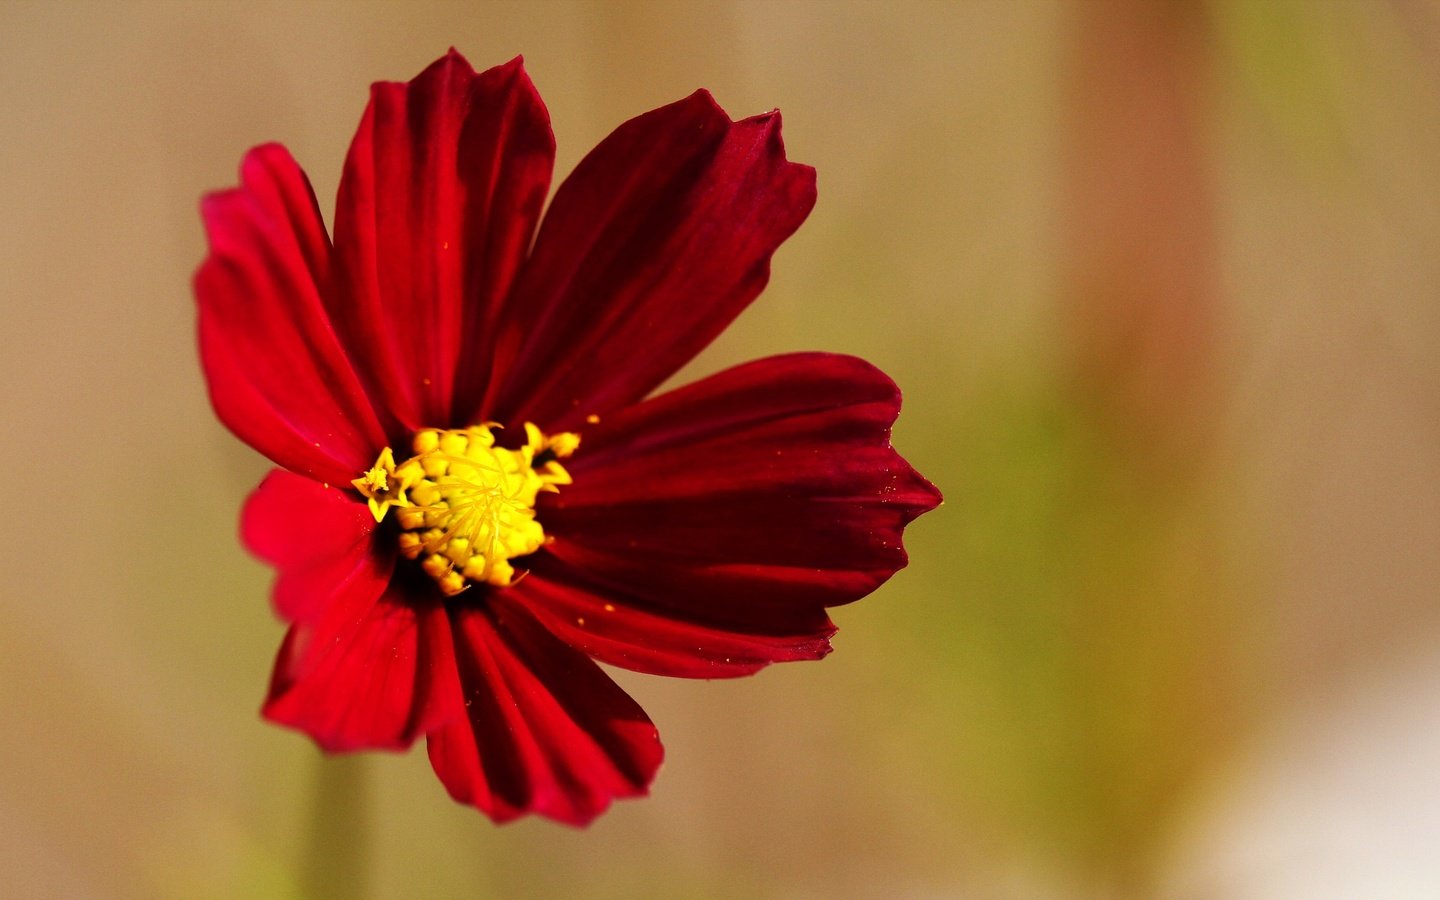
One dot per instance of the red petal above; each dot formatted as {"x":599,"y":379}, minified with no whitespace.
{"x":441,"y":191}
{"x":370,"y":674}
{"x":320,"y":541}
{"x":278,"y":377}
{"x":547,"y":731}
{"x":745,"y":503}
{"x":661,"y":237}
{"x":622,"y":629}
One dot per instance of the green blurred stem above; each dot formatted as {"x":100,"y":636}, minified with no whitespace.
{"x":336,"y":856}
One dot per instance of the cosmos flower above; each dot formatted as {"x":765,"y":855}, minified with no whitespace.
{"x":478,"y":496}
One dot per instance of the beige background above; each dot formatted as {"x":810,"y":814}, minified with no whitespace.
{"x":1159,"y":281}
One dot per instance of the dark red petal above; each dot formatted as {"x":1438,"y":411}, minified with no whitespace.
{"x":547,"y":731}
{"x":438,"y":202}
{"x":746,"y":503}
{"x":370,"y":674}
{"x":660,"y":237}
{"x":277,"y":375}
{"x":626,"y":630}
{"x":320,"y":540}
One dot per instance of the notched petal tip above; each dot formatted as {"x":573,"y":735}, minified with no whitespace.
{"x":769,"y":120}
{"x":269,"y":155}
{"x":455,"y":64}
{"x":770,"y":124}
{"x":799,"y":179}
{"x":273,"y":194}
{"x":703,"y":98}
{"x":916,"y":492}
{"x":452,"y":61}
{"x":922,"y":495}
{"x":515,"y":77}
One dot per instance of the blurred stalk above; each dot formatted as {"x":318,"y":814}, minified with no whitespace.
{"x":1139,"y":249}
{"x":1148,"y":611}
{"x":1093,"y":655}
{"x":336,"y":860}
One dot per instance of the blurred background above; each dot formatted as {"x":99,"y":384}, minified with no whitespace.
{"x":1159,"y":280}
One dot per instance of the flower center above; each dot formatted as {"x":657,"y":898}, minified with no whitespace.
{"x":466,"y":507}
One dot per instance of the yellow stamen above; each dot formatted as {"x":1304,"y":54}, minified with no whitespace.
{"x":464,"y":506}
{"x":384,"y":485}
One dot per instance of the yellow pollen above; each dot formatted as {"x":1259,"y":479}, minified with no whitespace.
{"x":465,"y":507}
{"x":376,"y":480}
{"x":384,"y":485}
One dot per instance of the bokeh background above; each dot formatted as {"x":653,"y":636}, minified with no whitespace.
{"x":1159,"y":280}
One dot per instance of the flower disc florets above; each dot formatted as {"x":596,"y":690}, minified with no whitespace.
{"x":464,"y":506}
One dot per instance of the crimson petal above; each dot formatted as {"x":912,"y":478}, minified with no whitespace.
{"x":660,"y":237}
{"x":372,"y":673}
{"x":277,"y":375}
{"x":441,"y":190}
{"x":620,"y":628}
{"x":744,"y":503}
{"x":547,"y":732}
{"x":320,"y":541}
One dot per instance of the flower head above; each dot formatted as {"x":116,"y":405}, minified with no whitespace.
{"x":478,"y":494}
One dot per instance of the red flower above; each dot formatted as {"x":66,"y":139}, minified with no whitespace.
{"x":447,"y":577}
